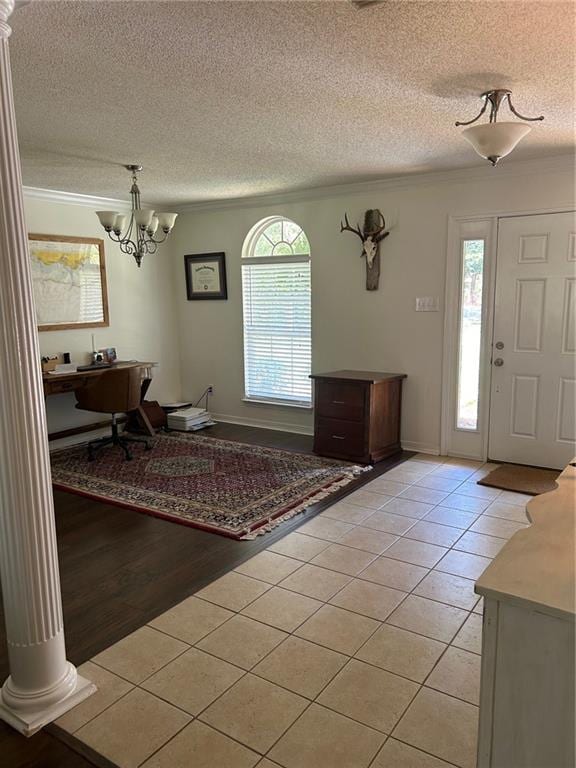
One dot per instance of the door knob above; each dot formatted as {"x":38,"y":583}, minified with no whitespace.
{"x":498,"y":362}
{"x":499,"y":345}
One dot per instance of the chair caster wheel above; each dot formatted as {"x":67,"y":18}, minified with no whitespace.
{"x":148,"y":447}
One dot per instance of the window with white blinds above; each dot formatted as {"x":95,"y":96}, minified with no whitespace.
{"x":277,"y":317}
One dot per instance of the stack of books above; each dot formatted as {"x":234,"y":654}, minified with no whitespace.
{"x":190,"y":419}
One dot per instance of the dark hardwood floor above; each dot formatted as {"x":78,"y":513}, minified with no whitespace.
{"x":120,"y":568}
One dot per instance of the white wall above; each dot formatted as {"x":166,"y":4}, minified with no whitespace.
{"x":352,"y":328}
{"x":143,"y":322}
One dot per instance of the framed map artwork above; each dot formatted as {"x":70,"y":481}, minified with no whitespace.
{"x":69,"y":282}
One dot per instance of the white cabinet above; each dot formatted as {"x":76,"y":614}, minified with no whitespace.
{"x":527,"y":697}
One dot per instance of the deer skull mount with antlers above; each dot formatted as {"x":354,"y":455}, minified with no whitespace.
{"x":371,"y":234}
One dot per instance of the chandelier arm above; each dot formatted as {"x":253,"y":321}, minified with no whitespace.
{"x":522,"y":117}
{"x":163,"y":239}
{"x":127,"y":247}
{"x":150,"y":246}
{"x":478,"y":116}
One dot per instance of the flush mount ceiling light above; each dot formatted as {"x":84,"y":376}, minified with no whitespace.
{"x":139,"y":236}
{"x":493,"y":140}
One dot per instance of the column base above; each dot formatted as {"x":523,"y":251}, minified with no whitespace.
{"x":28,"y":723}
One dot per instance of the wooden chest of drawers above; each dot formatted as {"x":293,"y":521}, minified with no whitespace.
{"x":357,"y":415}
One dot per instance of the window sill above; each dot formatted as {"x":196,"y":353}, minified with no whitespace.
{"x":281,"y":403}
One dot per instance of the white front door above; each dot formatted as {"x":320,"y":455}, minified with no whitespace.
{"x":533,"y":390}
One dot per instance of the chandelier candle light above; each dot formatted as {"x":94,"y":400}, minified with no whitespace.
{"x":139,"y":237}
{"x":493,"y":140}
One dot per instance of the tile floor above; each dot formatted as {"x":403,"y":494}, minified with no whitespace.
{"x":354,"y":641}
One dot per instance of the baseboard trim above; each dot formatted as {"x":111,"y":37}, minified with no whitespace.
{"x":280,"y":426}
{"x":410,"y":445}
{"x":469,"y":456}
{"x":83,"y":428}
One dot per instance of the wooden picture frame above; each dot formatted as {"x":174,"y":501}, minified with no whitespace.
{"x":78,"y":264}
{"x":206,"y":276}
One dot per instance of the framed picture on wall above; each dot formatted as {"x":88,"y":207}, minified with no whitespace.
{"x":206,"y":276}
{"x":69,"y":282}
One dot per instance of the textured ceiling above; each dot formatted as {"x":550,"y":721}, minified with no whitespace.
{"x":227,"y":99}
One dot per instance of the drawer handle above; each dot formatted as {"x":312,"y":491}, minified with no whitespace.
{"x":339,"y":402}
{"x":338,"y":437}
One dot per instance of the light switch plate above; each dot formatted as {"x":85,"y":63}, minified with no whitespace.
{"x":427,"y":304}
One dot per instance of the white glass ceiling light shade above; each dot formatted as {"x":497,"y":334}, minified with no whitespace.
{"x":119,"y":222}
{"x":494,"y":140}
{"x":153,"y":226}
{"x":107,"y":218}
{"x":139,"y":236}
{"x":166,"y":220}
{"x":143,"y":218}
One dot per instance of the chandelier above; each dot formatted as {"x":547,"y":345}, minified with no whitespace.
{"x":493,"y":140}
{"x":139,"y":237}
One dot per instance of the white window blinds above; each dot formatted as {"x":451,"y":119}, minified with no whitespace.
{"x":277,"y":317}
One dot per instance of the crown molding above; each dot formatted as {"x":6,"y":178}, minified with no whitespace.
{"x":72,"y":198}
{"x":554,"y":164}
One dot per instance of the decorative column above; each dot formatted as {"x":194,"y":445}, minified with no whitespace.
{"x":42,"y":683}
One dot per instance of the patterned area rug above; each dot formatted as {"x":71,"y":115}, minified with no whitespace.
{"x":227,"y":487}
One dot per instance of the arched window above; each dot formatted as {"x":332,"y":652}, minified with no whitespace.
{"x":277,"y":318}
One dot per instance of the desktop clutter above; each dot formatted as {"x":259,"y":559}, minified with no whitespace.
{"x":101,"y":358}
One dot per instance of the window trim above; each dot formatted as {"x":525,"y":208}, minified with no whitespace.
{"x":469,"y":430}
{"x":276,"y":260}
{"x":467,"y":443}
{"x":246,"y":260}
{"x":284,"y":403}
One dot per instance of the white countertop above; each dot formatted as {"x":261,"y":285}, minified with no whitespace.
{"x":537,"y":566}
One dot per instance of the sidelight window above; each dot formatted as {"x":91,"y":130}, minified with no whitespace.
{"x":470,"y":333}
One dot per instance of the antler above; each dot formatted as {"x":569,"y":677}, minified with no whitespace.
{"x":377,"y":234}
{"x":347,"y":227}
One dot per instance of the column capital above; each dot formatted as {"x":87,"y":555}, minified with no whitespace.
{"x":6,"y":8}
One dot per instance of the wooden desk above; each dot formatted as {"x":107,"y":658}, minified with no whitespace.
{"x":57,"y":384}
{"x":61,"y":383}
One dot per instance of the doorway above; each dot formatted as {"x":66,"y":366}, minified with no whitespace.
{"x":533,"y":375}
{"x":509,"y":384}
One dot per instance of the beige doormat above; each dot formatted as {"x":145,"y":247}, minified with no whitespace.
{"x":515,"y":477}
